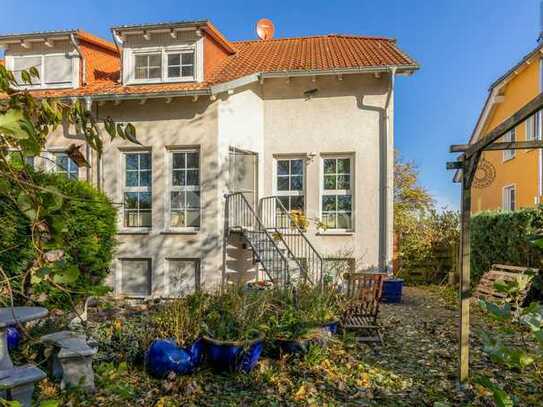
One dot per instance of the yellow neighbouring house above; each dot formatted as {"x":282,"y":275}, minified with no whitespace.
{"x":511,"y":179}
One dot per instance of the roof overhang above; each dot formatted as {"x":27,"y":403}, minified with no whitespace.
{"x":34,"y":37}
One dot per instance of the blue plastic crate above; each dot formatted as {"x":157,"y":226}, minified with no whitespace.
{"x":392,"y":291}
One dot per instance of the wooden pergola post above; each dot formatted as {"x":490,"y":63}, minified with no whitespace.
{"x":467,"y":164}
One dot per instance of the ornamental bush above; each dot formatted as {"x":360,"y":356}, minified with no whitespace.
{"x":80,"y":221}
{"x":503,"y":238}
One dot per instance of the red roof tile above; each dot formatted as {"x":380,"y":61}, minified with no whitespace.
{"x":317,"y":53}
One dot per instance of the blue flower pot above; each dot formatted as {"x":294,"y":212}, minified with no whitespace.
{"x":392,"y":291}
{"x":234,"y":356}
{"x":331,"y":327}
{"x":14,"y":337}
{"x":164,"y":357}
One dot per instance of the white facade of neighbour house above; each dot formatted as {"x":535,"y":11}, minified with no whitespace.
{"x":215,"y":117}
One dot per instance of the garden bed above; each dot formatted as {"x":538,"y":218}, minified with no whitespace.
{"x":416,"y":367}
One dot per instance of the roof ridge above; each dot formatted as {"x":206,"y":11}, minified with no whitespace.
{"x":332,"y":35}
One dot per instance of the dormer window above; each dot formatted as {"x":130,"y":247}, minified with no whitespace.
{"x":164,"y":64}
{"x":56,"y":70}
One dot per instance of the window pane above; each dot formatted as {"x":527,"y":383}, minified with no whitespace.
{"x":329,"y":203}
{"x":297,"y":167}
{"x":329,"y":166}
{"x":297,"y":183}
{"x":131,"y":200}
{"x":174,"y":72}
{"x":187,"y":71}
{"x":343,"y":166}
{"x":174,"y":59}
{"x":144,"y":200}
{"x":58,"y":69}
{"x":155,"y":60}
{"x":131,"y":178}
{"x":285,"y":201}
{"x":188,"y":58}
{"x":344,"y":203}
{"x":343,"y":182}
{"x":297,"y":202}
{"x":62,"y":162}
{"x":343,"y":221}
{"x":131,"y":161}
{"x":154,"y":73}
{"x":193,"y":160}
{"x":282,"y":167}
{"x":329,"y":182}
{"x":145,"y":219}
{"x":282,"y":183}
{"x":178,"y":160}
{"x":193,"y":218}
{"x":329,"y":219}
{"x":145,"y":178}
{"x":193,"y":199}
{"x":177,"y":219}
{"x":192,"y":177}
{"x":141,"y":73}
{"x":178,"y":178}
{"x":25,"y":63}
{"x":145,"y":161}
{"x":177,"y":200}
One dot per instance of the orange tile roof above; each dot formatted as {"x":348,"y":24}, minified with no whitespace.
{"x":316,"y":53}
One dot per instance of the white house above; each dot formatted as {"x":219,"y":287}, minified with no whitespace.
{"x":234,"y":135}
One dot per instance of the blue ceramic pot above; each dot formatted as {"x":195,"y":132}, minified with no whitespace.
{"x":392,"y":291}
{"x":14,"y":337}
{"x":164,"y":356}
{"x":331,"y":327}
{"x":234,"y":356}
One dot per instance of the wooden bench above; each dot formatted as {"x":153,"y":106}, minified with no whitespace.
{"x":364,"y":291}
{"x":500,"y":272}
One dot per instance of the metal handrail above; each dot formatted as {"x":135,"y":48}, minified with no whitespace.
{"x":314,"y":265}
{"x":241,"y":221}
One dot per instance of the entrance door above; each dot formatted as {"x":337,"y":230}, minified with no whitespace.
{"x":243,"y":167}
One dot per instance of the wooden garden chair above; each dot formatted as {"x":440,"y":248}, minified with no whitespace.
{"x":364,"y":291}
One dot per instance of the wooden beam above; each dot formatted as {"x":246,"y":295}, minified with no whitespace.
{"x":513,"y":145}
{"x":147,"y":35}
{"x":455,"y":165}
{"x":26,"y":44}
{"x":513,"y":121}
{"x":49,"y":43}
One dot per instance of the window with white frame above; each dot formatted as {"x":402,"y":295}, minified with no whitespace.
{"x":337,"y":200}
{"x":148,"y":66}
{"x":509,"y":198}
{"x":183,"y":276}
{"x":54,"y":69}
{"x":63,"y":164}
{"x":136,"y":277}
{"x":509,"y":137}
{"x":289,"y":183}
{"x":164,"y":64}
{"x":533,"y":127}
{"x":185,"y":189}
{"x":137,"y":189}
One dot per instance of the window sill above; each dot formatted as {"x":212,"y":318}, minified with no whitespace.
{"x":134,"y":232}
{"x":180,"y":232}
{"x":336,"y":233}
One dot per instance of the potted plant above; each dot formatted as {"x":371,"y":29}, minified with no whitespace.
{"x":234,"y":335}
{"x":177,"y":328}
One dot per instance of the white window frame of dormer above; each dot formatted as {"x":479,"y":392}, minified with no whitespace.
{"x":74,"y":83}
{"x":164,"y":51}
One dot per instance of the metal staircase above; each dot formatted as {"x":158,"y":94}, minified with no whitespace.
{"x":277,"y":243}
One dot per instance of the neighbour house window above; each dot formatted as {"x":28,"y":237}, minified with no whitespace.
{"x":185,"y":189}
{"x":533,"y":127}
{"x":509,"y":198}
{"x":136,"y":277}
{"x":63,"y":164}
{"x":54,"y":70}
{"x":137,"y":189}
{"x":183,"y":276}
{"x":509,"y":137}
{"x":289,"y":183}
{"x":165,"y":65}
{"x":337,"y":202}
{"x":148,"y":66}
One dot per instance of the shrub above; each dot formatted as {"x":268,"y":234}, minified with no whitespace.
{"x":503,"y":238}
{"x":79,"y":220}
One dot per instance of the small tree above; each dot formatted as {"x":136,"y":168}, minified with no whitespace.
{"x":25,"y":124}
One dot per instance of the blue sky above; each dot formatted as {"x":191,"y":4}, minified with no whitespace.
{"x":462,"y":45}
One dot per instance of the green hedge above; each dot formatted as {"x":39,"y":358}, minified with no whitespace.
{"x":83,"y":225}
{"x":502,"y":238}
